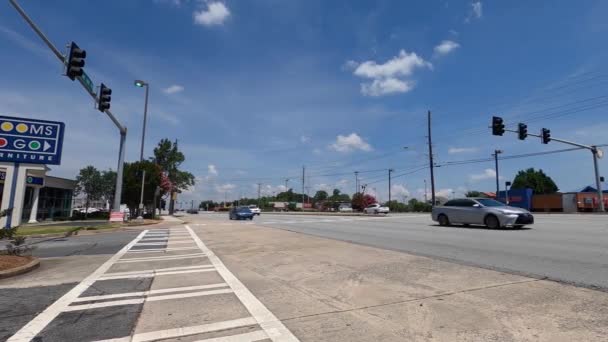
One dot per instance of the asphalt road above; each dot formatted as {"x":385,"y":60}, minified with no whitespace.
{"x":566,"y":248}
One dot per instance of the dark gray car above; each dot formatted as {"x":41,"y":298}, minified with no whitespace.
{"x":481,"y":211}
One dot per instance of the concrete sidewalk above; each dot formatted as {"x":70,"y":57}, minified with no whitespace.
{"x":327,"y":290}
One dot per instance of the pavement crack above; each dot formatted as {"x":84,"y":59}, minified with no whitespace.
{"x":447,"y":294}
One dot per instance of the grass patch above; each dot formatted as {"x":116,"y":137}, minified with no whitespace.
{"x":25,"y":231}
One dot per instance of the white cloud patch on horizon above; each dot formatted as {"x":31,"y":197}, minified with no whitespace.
{"x":222,"y":188}
{"x":445,"y":47}
{"x":215,"y":14}
{"x":212,"y":170}
{"x":351,"y":142}
{"x":173,"y":89}
{"x":304,"y":139}
{"x":487,"y":174}
{"x":399,"y":190}
{"x":389,"y":77}
{"x":455,"y":150}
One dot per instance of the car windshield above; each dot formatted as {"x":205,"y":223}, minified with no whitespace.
{"x":243,"y":210}
{"x":486,"y":202}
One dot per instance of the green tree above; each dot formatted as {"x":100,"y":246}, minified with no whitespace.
{"x":131,"y":193}
{"x":320,"y":196}
{"x":90,"y":183}
{"x":474,"y":193}
{"x":108,"y":184}
{"x":418,"y":206}
{"x":538,"y":181}
{"x":169,"y":158}
{"x":361,"y":201}
{"x":397,"y":207}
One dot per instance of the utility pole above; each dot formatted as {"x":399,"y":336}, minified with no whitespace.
{"x":356,"y":182}
{"x":495,"y":155}
{"x":259,"y":192}
{"x":303,"y":178}
{"x":389,"y":184}
{"x":426,"y":200}
{"x":431,"y":165}
{"x":140,"y":83}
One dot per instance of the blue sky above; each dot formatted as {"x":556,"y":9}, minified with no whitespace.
{"x":254,"y":90}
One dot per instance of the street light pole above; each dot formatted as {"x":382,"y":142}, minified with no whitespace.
{"x":140,"y":83}
{"x":496,"y":153}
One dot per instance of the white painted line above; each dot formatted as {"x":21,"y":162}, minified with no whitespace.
{"x":161,"y":258}
{"x":246,"y":337}
{"x":121,"y":339}
{"x":150,"y":292}
{"x":274,"y":328}
{"x":142,"y":300}
{"x":163,"y":243}
{"x":157,"y":270}
{"x":35,"y":326}
{"x":156,"y":250}
{"x":151,"y":275}
{"x":193,"y":330}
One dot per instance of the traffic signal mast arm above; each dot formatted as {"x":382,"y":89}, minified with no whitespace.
{"x":121,"y":128}
{"x":555,"y":139}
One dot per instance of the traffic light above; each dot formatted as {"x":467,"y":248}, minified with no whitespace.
{"x":545,"y":135}
{"x":498,"y":127}
{"x":104,"y":98}
{"x":522,"y":131}
{"x":75,"y":61}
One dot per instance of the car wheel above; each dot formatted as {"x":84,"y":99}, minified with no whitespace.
{"x":492,"y":222}
{"x":251,"y":218}
{"x":443,"y":220}
{"x":375,"y":212}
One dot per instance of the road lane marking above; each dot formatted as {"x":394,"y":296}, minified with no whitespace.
{"x":142,"y":300}
{"x":152,"y":275}
{"x":246,"y":337}
{"x":166,"y":258}
{"x":176,"y":256}
{"x":156,"y":250}
{"x":274,"y":328}
{"x":162,"y":243}
{"x":193,"y":330}
{"x":157,"y":270}
{"x":149,"y":292}
{"x":36,"y":325}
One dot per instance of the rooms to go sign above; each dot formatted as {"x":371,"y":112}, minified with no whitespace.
{"x":30,"y":141}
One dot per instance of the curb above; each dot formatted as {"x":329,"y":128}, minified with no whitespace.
{"x":21,"y":269}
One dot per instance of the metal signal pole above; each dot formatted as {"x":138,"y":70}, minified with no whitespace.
{"x":389,"y":183}
{"x":431,"y":165}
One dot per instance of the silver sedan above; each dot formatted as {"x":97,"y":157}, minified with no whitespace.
{"x":481,"y":211}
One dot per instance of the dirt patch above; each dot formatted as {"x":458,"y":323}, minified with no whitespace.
{"x":8,"y":262}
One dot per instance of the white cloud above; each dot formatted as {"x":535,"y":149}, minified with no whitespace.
{"x":215,"y":14}
{"x":386,"y":86}
{"x":455,"y":150}
{"x":446,"y":47}
{"x":173,"y":89}
{"x":487,"y":174}
{"x":304,"y":139}
{"x":399,"y":190}
{"x":447,"y":193}
{"x":347,"y":143}
{"x":228,"y":187}
{"x":350,"y":65}
{"x":388,"y":77}
{"x":212,"y":170}
{"x":402,"y":65}
{"x":477,"y":9}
